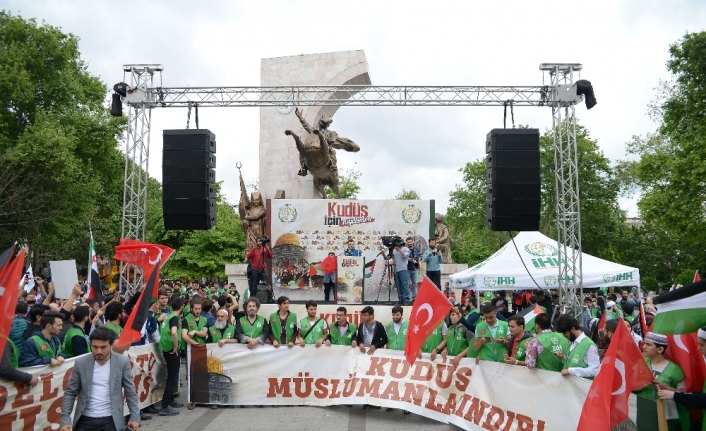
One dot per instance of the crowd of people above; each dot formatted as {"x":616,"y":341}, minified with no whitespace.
{"x":46,"y":331}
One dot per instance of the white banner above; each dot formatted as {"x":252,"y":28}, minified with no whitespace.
{"x":39,"y":408}
{"x":303,"y":231}
{"x":473,"y":396}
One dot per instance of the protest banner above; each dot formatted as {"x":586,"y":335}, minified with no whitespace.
{"x":64,"y":276}
{"x":304,"y":231}
{"x":484,"y":396}
{"x":26,"y":409}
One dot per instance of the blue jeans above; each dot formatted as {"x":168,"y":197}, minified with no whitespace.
{"x":403,"y":285}
{"x":413,"y":280}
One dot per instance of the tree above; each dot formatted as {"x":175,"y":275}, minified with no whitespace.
{"x":407,"y":195}
{"x":347,"y":185}
{"x":56,"y":134}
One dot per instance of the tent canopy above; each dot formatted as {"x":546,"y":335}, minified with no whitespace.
{"x":504,"y":270}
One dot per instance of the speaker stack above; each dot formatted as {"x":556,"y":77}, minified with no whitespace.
{"x":188,"y":179}
{"x":514,"y":183}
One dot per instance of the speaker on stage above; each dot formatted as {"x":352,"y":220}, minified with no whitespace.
{"x":188,"y":179}
{"x":513,"y":197}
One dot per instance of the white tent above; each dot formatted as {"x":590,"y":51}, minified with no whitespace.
{"x":504,"y":270}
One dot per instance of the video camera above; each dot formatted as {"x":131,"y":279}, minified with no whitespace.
{"x":264,"y":239}
{"x":392,"y":241}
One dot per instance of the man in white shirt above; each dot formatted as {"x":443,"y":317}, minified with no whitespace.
{"x":100,"y":406}
{"x":582,"y":360}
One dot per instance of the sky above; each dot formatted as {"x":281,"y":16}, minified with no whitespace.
{"x":623,"y":46}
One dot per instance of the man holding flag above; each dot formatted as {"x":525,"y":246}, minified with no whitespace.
{"x":93,"y":280}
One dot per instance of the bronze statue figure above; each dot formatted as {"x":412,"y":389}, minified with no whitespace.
{"x":252,"y":215}
{"x":441,"y":232}
{"x":318,"y":155}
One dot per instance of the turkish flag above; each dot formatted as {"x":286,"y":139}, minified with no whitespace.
{"x":149,"y":257}
{"x":10,"y":275}
{"x":328,"y":265}
{"x":430,"y":309}
{"x":601,"y":323}
{"x":697,"y":277}
{"x":684,"y":351}
{"x":622,"y":371}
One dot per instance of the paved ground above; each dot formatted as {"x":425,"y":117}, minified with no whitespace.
{"x":290,"y":418}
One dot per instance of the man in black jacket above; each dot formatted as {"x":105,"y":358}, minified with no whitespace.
{"x":371,"y":333}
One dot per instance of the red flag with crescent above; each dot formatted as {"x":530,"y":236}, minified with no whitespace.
{"x":150,"y":258}
{"x":429,"y":310}
{"x":622,"y":371}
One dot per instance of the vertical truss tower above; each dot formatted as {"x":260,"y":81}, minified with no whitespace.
{"x":568,"y":209}
{"x":137,"y":150}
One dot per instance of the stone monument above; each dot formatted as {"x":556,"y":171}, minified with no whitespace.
{"x":252,"y":215}
{"x":441,"y":232}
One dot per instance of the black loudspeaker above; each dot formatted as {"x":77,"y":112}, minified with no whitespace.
{"x":513,"y":200}
{"x":188,"y":179}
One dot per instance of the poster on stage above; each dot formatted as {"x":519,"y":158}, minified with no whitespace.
{"x":304,"y":231}
{"x":349,"y":279}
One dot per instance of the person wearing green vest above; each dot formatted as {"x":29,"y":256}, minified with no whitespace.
{"x":169,"y":338}
{"x":668,"y":374}
{"x":113,"y":317}
{"x":436,"y":342}
{"x":342,"y":331}
{"x":283,"y":325}
{"x":44,"y":347}
{"x":221,"y":332}
{"x":628,"y":309}
{"x":695,"y":400}
{"x":396,"y":330}
{"x":9,"y":364}
{"x":251,"y":328}
{"x":312,"y":329}
{"x":611,"y":310}
{"x":545,"y":349}
{"x":75,"y":341}
{"x":472,"y":314}
{"x":517,"y":343}
{"x":582,"y":360}
{"x":490,"y":338}
{"x":193,"y":326}
{"x":458,"y":339}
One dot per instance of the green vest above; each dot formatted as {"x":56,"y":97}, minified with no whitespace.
{"x":671,"y":376}
{"x":575,"y":358}
{"x":276,"y":326}
{"x":552,"y":342}
{"x":255,"y":329}
{"x":228,"y":333}
{"x":630,"y":318}
{"x":521,"y":349}
{"x":434,"y":340}
{"x":492,"y":351}
{"x":593,"y":312}
{"x":612,"y":315}
{"x":115,"y":328}
{"x":488,"y":296}
{"x":468,"y":315}
{"x":195,"y":326}
{"x":44,"y":348}
{"x":456,"y":341}
{"x":346,"y":339}
{"x":14,"y":355}
{"x":315,"y":334}
{"x":71,"y":333}
{"x":165,"y":333}
{"x":396,"y":341}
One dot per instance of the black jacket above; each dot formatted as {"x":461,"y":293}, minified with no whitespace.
{"x":379,"y":336}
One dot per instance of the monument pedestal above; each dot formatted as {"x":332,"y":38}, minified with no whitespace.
{"x":237,"y":273}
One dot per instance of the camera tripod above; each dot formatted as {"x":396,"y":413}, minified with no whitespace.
{"x":387,"y":277}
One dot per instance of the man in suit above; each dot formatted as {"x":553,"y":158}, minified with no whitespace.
{"x":99,"y":381}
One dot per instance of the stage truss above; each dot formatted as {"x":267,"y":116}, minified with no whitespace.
{"x":560,"y":95}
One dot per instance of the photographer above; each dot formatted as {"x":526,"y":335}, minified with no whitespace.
{"x":257,"y":257}
{"x":413,"y":265}
{"x":401,"y":259}
{"x":433,"y":259}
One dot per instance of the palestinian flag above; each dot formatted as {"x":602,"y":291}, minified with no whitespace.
{"x":93,"y":280}
{"x":529,"y":314}
{"x":315,"y":269}
{"x":681,"y":311}
{"x":369,"y":269}
{"x":150,"y":258}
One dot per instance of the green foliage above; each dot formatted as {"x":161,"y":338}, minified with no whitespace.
{"x":347,"y":185}
{"x":409,"y":195}
{"x":650,"y":283}
{"x":685,"y":277}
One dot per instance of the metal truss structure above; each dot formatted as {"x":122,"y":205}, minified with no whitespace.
{"x":560,"y":95}
{"x":137,"y":153}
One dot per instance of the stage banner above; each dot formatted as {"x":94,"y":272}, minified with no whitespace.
{"x":304,"y":231}
{"x":350,"y":279}
{"x":484,"y":396}
{"x":26,"y":409}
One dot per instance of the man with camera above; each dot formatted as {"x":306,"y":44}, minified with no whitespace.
{"x":433,"y":259}
{"x":257,"y":257}
{"x":401,"y":260}
{"x":413,"y":265}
